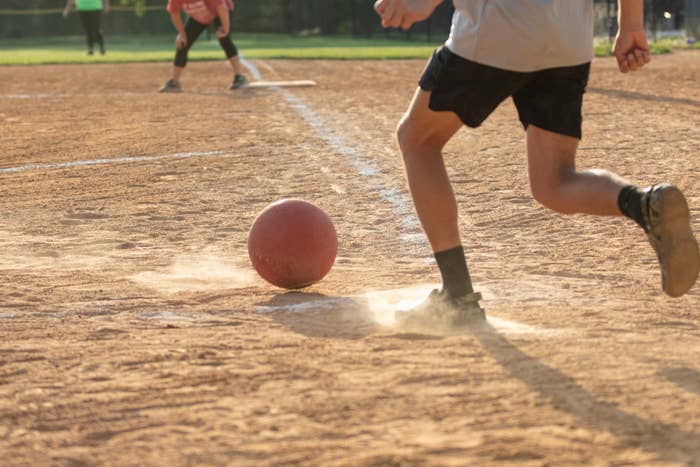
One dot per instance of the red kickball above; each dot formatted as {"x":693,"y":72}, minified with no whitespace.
{"x":292,"y":244}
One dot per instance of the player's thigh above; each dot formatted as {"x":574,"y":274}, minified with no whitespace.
{"x":420,"y":124}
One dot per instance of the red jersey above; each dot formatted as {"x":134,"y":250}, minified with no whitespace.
{"x":202,"y":11}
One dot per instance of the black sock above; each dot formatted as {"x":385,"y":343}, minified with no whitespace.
{"x":630,"y":202}
{"x":455,"y":274}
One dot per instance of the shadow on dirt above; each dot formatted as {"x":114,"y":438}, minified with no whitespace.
{"x":684,"y":378}
{"x":638,"y":96}
{"x":318,"y":315}
{"x":669,"y":442}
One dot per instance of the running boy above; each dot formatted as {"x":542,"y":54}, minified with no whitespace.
{"x":202,"y":13}
{"x":538,"y":52}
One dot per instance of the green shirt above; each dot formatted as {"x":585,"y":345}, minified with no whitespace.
{"x":88,"y":5}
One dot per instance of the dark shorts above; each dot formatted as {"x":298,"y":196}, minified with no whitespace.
{"x":550,"y":99}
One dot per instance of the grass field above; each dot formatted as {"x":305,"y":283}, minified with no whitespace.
{"x":70,"y":49}
{"x":161,"y":48}
{"x":660,"y":46}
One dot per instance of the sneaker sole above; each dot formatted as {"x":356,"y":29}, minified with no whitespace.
{"x":673,"y":241}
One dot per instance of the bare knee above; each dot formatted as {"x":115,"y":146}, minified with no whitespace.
{"x":415,"y":138}
{"x":407,"y":134}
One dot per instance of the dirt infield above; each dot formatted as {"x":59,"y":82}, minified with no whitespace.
{"x":133,"y":330}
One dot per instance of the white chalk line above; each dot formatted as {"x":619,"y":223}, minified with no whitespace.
{"x":165,"y":315}
{"x":363,"y":164}
{"x":117,"y":160}
{"x":102,"y":95}
{"x":161,"y":315}
{"x":65,"y":96}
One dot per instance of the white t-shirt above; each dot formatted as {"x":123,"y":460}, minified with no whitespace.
{"x":523,"y":35}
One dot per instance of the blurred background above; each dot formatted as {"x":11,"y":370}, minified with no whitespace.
{"x":35,"y":32}
{"x":36,"y":18}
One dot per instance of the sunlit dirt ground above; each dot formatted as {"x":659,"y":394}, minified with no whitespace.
{"x":133,"y":329}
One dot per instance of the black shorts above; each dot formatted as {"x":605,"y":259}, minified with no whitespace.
{"x":550,"y":99}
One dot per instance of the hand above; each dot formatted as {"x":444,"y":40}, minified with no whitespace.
{"x":631,"y":50}
{"x":107,"y":8}
{"x":181,"y":41}
{"x":221,"y":33}
{"x":66,"y":12}
{"x":404,"y":13}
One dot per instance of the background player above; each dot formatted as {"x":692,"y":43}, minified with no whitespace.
{"x":90,"y":12}
{"x":202,"y":13}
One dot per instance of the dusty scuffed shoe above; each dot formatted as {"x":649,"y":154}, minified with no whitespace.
{"x":667,"y":221}
{"x":238,"y":82}
{"x":171,"y":86}
{"x":440,"y":311}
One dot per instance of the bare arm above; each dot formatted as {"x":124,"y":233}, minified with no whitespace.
{"x":69,"y":5}
{"x":181,"y":39}
{"x":631,"y":49}
{"x":223,"y":30}
{"x":105,"y":6}
{"x":404,"y":13}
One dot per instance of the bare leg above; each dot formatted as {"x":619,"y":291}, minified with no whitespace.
{"x":422,"y":134}
{"x":177,"y":73}
{"x":235,"y":62}
{"x":556,"y":184}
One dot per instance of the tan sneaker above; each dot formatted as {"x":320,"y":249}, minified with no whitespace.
{"x":667,"y":220}
{"x":443,"y":312}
